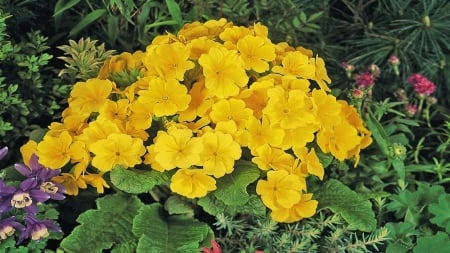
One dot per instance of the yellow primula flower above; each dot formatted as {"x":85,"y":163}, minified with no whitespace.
{"x":309,"y":161}
{"x":261,"y":132}
{"x":338,"y":140}
{"x":280,"y":190}
{"x":192,"y":183}
{"x":115,"y":110}
{"x":256,"y":53}
{"x":169,"y":61}
{"x":54,"y":152}
{"x":326,"y":108}
{"x":231,"y":35}
{"x":89,"y":96}
{"x":321,"y":76}
{"x":177,"y":148}
{"x":71,"y":183}
{"x":290,"y":109}
{"x":140,"y":116}
{"x":118,"y":63}
{"x":98,"y":130}
{"x":224,"y":72}
{"x":27,"y":150}
{"x":296,"y":64}
{"x":305,"y":208}
{"x":267,"y":157}
{"x":230,"y":110}
{"x":97,"y":181}
{"x":299,"y":137}
{"x":117,"y":149}
{"x":200,"y":105}
{"x":220,"y":152}
{"x":166,"y":97}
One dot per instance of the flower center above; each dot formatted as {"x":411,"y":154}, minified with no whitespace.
{"x":21,"y":200}
{"x":6,"y":231}
{"x":49,"y":187}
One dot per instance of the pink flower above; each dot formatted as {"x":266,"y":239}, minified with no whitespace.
{"x":411,"y":110}
{"x":357,"y":93}
{"x":364,"y":80}
{"x":394,"y":61}
{"x":422,"y":86}
{"x":215,"y":248}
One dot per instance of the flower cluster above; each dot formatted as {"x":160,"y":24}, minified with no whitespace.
{"x":422,"y":86}
{"x":196,"y":102}
{"x":23,"y":200}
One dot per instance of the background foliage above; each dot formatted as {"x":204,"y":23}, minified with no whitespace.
{"x":44,"y":49}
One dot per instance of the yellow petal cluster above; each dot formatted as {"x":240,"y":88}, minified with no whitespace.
{"x":198,"y":101}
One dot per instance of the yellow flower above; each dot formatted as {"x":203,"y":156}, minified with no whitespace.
{"x":27,"y":150}
{"x":118,"y":63}
{"x":201,"y":102}
{"x":89,"y":96}
{"x":256,"y":53}
{"x":98,"y":130}
{"x":79,"y":154}
{"x":309,"y":161}
{"x":280,"y":190}
{"x":224,"y":72}
{"x":260,"y":133}
{"x":220,"y":152}
{"x":165,"y":97}
{"x":117,"y":149}
{"x":115,"y":110}
{"x":296,"y":64}
{"x":170,"y":61}
{"x":230,"y":110}
{"x":256,"y":97}
{"x":177,"y":148}
{"x":70,"y":183}
{"x":299,"y":137}
{"x":140,"y":116}
{"x":192,"y":183}
{"x":289,"y":109}
{"x":305,"y":208}
{"x":54,"y":152}
{"x":339,"y":140}
{"x":267,"y":157}
{"x":97,"y":181}
{"x":327,"y":109}
{"x":321,"y":76}
{"x":231,"y":35}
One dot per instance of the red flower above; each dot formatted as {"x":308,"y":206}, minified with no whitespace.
{"x":422,"y":86}
{"x":364,"y":80}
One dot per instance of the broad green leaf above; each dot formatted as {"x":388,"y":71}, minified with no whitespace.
{"x":405,"y":203}
{"x":168,"y":234}
{"x":137,"y":181}
{"x":213,"y":206}
{"x":356,"y":210}
{"x":438,"y":243}
{"x":105,"y":227}
{"x":176,"y":204}
{"x":441,"y":212}
{"x":86,"y":21}
{"x":232,"y":188}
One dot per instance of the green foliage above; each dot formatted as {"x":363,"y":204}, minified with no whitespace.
{"x":356,"y":210}
{"x":438,"y":243}
{"x":440,"y":212}
{"x":136,"y":181}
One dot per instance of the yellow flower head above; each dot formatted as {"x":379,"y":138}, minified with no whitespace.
{"x":304,"y":208}
{"x":169,"y":60}
{"x":165,"y":97}
{"x":116,"y":111}
{"x":280,"y":190}
{"x":177,"y":148}
{"x":117,"y":149}
{"x":230,"y":110}
{"x":118,"y":63}
{"x":339,"y":140}
{"x":321,"y":76}
{"x":224,"y":72}
{"x":89,"y":96}
{"x":192,"y":183}
{"x":267,"y":157}
{"x":70,"y":182}
{"x":97,"y":181}
{"x":54,"y":152}
{"x":27,"y":150}
{"x":220,"y":152}
{"x":201,"y":102}
{"x":256,"y":53}
{"x":326,"y":108}
{"x":296,"y":64}
{"x":98,"y":130}
{"x":260,"y":133}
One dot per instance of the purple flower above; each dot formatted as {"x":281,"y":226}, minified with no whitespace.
{"x":42,"y":176}
{"x":5,"y":196}
{"x":3,"y":152}
{"x":8,"y":226}
{"x":28,"y":196}
{"x":37,"y":229}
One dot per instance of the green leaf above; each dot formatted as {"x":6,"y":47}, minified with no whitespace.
{"x":441,"y":212}
{"x":175,"y":11}
{"x":438,"y":243}
{"x":63,"y":5}
{"x":106,"y":227}
{"x":86,"y":21}
{"x":254,"y":206}
{"x":232,"y":188}
{"x":161,"y":233}
{"x":176,"y":204}
{"x":355,"y":209}
{"x":137,"y":181}
{"x":378,"y":134}
{"x":403,"y":203}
